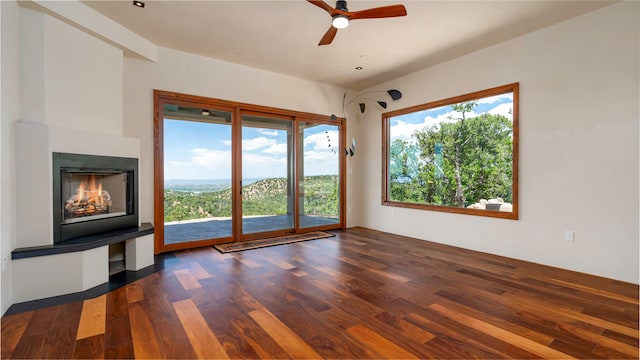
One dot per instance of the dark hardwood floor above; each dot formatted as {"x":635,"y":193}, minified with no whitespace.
{"x":361,"y":294}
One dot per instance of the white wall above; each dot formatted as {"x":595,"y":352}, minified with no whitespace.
{"x":10,"y":102}
{"x":83,"y":80}
{"x":196,"y":75}
{"x":68,"y":77}
{"x":579,"y":115}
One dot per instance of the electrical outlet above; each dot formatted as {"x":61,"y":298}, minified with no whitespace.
{"x":4,"y":263}
{"x":569,"y":236}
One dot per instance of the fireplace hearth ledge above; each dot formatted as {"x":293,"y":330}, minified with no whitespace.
{"x":53,"y":270}
{"x":84,"y":243}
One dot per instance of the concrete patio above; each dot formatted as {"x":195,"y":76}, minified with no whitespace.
{"x":180,"y":232}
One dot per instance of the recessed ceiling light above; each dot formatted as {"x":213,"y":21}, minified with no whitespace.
{"x":137,"y":3}
{"x":359,"y":68}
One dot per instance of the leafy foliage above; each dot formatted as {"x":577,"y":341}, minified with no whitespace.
{"x":454,"y":163}
{"x":264,"y":197}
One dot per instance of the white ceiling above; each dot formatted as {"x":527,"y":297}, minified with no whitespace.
{"x":282,"y":36}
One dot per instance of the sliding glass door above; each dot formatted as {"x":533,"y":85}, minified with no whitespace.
{"x":267,"y":175}
{"x":197,"y":174}
{"x":319,"y":154}
{"x":226,"y":172}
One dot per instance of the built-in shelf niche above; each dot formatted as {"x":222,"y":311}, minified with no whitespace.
{"x":117,"y":257}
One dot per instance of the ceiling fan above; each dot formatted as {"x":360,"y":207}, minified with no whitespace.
{"x":341,"y":16}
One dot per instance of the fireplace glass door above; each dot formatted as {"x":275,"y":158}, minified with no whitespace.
{"x":90,"y":196}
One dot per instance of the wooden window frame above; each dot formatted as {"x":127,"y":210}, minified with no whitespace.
{"x":386,"y":117}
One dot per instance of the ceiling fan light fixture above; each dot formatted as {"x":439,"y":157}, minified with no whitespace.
{"x":205,"y":113}
{"x":340,"y":21}
{"x":341,"y":16}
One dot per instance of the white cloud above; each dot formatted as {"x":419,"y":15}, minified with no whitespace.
{"x":321,"y":141}
{"x":206,"y":157}
{"x":268,"y":132}
{"x":495,"y":98}
{"x":321,"y":162}
{"x":450,"y":117}
{"x":404,"y":131}
{"x":254,"y":144}
{"x":503,"y":109}
{"x":261,"y":158}
{"x":260,"y":166}
{"x":201,"y":164}
{"x":321,"y":153}
{"x":276,"y":149}
{"x":257,"y":143}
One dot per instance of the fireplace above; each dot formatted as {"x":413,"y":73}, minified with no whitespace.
{"x":93,"y":195}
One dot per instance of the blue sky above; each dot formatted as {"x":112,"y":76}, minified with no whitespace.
{"x":403,"y":126}
{"x":202,"y":151}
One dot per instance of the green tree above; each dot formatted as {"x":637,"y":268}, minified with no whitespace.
{"x":264,"y":197}
{"x":403,"y":171}
{"x":458,"y":162}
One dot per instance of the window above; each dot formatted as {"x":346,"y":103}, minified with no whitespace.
{"x":456,"y":155}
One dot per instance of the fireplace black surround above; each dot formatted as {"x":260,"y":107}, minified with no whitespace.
{"x":92,"y":195}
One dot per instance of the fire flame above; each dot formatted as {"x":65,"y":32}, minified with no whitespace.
{"x":90,"y":192}
{"x":90,"y":199}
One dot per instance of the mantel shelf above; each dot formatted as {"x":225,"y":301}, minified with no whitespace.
{"x":84,"y":243}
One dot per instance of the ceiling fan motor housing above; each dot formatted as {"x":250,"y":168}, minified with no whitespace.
{"x":341,"y":5}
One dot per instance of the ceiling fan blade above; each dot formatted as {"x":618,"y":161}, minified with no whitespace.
{"x":328,"y":36}
{"x":379,"y":12}
{"x":323,"y":5}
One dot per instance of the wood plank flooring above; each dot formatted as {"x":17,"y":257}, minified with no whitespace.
{"x":361,"y":294}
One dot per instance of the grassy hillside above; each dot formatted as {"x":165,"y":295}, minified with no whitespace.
{"x":263,"y":197}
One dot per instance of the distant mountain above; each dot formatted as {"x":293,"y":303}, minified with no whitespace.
{"x":201,"y":185}
{"x":262,"y":197}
